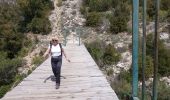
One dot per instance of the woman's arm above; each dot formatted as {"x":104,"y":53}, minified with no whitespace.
{"x":46,"y":53}
{"x":65,"y":55}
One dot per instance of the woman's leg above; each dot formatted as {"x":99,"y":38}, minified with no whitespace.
{"x":58,"y":70}
{"x":53,"y":65}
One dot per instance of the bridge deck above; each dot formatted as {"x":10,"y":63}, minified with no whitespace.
{"x":82,"y":80}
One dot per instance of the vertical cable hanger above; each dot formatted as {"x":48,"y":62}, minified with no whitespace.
{"x":135,"y":27}
{"x":155,"y":79}
{"x":143,"y":47}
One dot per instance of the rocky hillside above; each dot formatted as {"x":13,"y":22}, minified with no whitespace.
{"x":8,"y":1}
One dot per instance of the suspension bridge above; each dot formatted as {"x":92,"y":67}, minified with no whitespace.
{"x":81,"y":80}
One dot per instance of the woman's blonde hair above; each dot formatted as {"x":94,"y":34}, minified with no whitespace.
{"x":55,"y":38}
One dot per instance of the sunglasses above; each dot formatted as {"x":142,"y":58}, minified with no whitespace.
{"x":54,"y":40}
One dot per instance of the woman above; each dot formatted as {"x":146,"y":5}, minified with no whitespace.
{"x":56,"y":51}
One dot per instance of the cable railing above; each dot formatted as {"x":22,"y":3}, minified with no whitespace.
{"x":135,"y":27}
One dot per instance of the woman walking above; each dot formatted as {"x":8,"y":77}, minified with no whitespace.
{"x":56,"y":51}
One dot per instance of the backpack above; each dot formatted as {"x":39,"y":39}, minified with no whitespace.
{"x":59,"y":45}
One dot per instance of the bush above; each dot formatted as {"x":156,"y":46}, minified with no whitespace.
{"x":111,"y":56}
{"x":93,"y":19}
{"x":18,"y":79}
{"x":163,"y":15}
{"x":35,"y":14}
{"x":118,"y":24}
{"x":39,"y":25}
{"x":8,"y":70}
{"x":163,"y":91}
{"x":96,"y":51}
{"x":23,"y":52}
{"x":168,"y":15}
{"x":27,"y":43}
{"x":164,"y":5}
{"x":11,"y":39}
{"x":122,"y":85}
{"x":37,"y":60}
{"x":118,"y":19}
{"x":163,"y":54}
{"x":151,"y":8}
{"x":102,"y":54}
{"x":148,"y":67}
{"x":4,"y":89}
{"x":98,"y":5}
{"x":109,"y":71}
{"x":82,"y":10}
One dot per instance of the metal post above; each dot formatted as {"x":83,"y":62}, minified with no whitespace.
{"x":65,"y":33}
{"x":156,"y":50}
{"x":135,"y":50}
{"x":79,"y":36}
{"x":143,"y":49}
{"x":78,"y":33}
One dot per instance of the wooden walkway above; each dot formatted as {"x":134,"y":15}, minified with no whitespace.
{"x":82,"y":80}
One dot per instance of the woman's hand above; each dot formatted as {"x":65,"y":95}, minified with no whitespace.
{"x":45,"y":56}
{"x":68,"y":60}
{"x":65,"y":55}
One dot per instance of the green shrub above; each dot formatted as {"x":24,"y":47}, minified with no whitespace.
{"x":82,"y":10}
{"x":18,"y":79}
{"x":118,"y":24}
{"x":11,"y":39}
{"x":23,"y":52}
{"x":125,"y":75}
{"x":118,"y":19}
{"x":163,"y":15}
{"x":109,"y":71}
{"x":35,"y":14}
{"x":96,"y":51}
{"x":8,"y":70}
{"x":93,"y":19}
{"x":150,"y":10}
{"x":122,"y":85}
{"x":27,"y":42}
{"x":103,"y":54}
{"x":163,"y":91}
{"x":98,"y":5}
{"x":4,"y":89}
{"x":29,"y":72}
{"x":164,"y":5}
{"x":39,"y":25}
{"x":163,"y":54}
{"x":111,"y":56}
{"x":148,"y":67}
{"x":37,"y":60}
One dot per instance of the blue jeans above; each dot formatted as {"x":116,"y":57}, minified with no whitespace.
{"x":56,"y":63}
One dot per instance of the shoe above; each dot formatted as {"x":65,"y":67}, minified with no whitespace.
{"x":53,"y":78}
{"x":57,"y":86}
